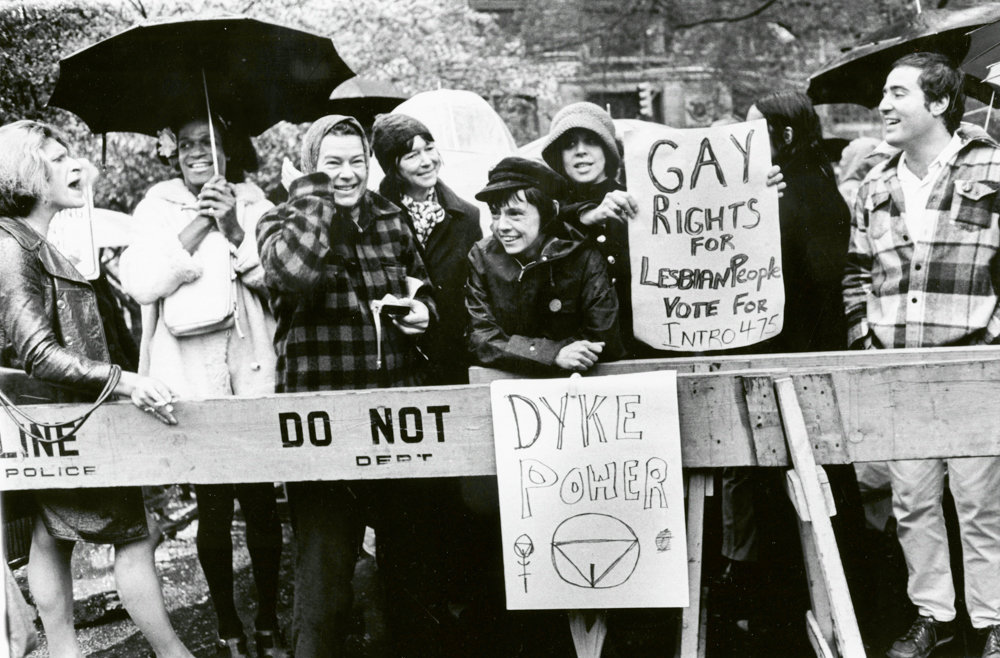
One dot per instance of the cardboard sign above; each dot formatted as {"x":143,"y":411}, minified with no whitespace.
{"x":706,"y":245}
{"x":591,"y":496}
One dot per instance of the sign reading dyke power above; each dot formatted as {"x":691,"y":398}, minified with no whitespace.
{"x":705,"y":246}
{"x":591,"y":500}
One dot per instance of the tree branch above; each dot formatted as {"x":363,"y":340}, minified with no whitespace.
{"x":727,"y":19}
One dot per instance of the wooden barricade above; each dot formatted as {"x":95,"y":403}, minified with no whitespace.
{"x":781,"y":410}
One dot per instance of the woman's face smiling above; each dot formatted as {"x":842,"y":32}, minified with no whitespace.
{"x":419,"y":167}
{"x":194,"y":154}
{"x":517,"y":225}
{"x":65,"y":188}
{"x":583,"y":156}
{"x":342,"y":158}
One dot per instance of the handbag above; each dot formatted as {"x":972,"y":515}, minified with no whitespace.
{"x":208,"y":303}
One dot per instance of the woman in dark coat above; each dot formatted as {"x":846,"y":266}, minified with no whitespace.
{"x":50,"y":328}
{"x":445,"y":226}
{"x":760,"y":535}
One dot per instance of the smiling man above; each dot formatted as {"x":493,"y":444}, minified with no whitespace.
{"x":923,"y":271}
{"x":331,"y":255}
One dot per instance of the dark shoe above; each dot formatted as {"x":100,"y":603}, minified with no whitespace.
{"x":232,"y":647}
{"x":270,"y":644}
{"x":992,"y":647}
{"x":924,"y":636}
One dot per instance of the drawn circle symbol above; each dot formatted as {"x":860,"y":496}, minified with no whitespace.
{"x":594,"y":551}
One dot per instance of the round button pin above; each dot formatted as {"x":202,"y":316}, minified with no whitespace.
{"x":555,"y":305}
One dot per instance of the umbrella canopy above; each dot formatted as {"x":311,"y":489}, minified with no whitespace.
{"x":364,"y":99}
{"x":256,"y":74}
{"x":468,"y":133}
{"x":857,"y":76}
{"x":984,"y":54}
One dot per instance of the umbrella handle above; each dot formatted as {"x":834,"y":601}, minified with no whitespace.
{"x":211,"y":128}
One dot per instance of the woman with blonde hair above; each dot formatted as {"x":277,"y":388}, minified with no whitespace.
{"x":50,"y":328}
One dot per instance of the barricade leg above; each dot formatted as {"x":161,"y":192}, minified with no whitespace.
{"x":824,"y":544}
{"x":690,"y":639}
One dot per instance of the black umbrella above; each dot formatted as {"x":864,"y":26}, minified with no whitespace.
{"x":857,"y":76}
{"x":254,"y":74}
{"x":364,"y":99}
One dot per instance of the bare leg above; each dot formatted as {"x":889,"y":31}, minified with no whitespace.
{"x":51,"y":585}
{"x":139,"y":589}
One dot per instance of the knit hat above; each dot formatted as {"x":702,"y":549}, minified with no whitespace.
{"x":587,"y":116}
{"x":320,"y":129}
{"x":392,"y":137}
{"x":515,"y":173}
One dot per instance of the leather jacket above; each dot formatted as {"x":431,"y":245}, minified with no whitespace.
{"x":49,"y":321}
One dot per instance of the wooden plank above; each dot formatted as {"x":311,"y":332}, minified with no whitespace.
{"x":765,"y":422}
{"x":808,"y":360}
{"x":945,"y":409}
{"x":835,"y":583}
{"x":820,"y":612}
{"x":819,"y":644}
{"x":689,"y":637}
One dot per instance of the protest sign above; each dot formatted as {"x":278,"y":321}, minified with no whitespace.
{"x":705,"y":245}
{"x":591,"y":499}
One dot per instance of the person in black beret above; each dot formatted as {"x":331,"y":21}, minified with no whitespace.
{"x":538,"y":296}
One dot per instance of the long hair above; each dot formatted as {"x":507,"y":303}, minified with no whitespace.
{"x":793,"y":109}
{"x":24,"y":172}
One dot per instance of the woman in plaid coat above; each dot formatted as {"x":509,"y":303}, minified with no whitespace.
{"x":332,"y":254}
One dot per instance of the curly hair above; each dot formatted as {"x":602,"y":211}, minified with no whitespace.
{"x":241,"y":157}
{"x":24,"y":172}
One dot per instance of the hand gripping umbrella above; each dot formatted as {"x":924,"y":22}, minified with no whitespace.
{"x":251,"y":72}
{"x":858,"y":74}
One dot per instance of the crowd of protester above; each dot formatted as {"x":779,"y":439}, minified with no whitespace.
{"x":339,"y":287}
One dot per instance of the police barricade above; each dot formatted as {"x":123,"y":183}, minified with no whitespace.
{"x":777,"y":410}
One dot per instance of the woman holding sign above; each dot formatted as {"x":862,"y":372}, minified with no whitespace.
{"x":760,"y":539}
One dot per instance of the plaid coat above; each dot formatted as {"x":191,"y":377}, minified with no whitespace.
{"x":323,"y":271}
{"x":901,"y":293}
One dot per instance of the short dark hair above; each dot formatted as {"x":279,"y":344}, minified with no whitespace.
{"x":939,"y":79}
{"x":24,"y":171}
{"x":345,"y":128}
{"x":236,"y":144}
{"x":548,"y":208}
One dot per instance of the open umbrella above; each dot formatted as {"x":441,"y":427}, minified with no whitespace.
{"x":857,"y":76}
{"x":983,"y":60}
{"x":364,"y":99}
{"x":254,"y":74}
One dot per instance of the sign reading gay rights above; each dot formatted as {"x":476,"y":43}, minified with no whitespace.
{"x":591,"y":499}
{"x":705,"y":245}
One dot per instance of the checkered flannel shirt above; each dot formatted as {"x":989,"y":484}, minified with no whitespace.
{"x":321,"y":289}
{"x":901,"y":293}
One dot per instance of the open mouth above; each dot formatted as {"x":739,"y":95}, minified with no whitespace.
{"x":199,"y":166}
{"x":76,"y":185}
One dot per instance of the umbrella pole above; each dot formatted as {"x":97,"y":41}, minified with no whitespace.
{"x":211,"y":128}
{"x":989,"y":110}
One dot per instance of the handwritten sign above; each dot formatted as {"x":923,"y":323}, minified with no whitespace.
{"x":591,"y":501}
{"x":706,"y":245}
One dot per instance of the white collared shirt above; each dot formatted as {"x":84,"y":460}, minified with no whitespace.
{"x":917,"y":191}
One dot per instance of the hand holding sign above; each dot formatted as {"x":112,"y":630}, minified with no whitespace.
{"x":617,"y":205}
{"x":706,"y":247}
{"x":580,"y":355}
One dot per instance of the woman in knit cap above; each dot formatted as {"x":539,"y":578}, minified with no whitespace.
{"x":583,"y":147}
{"x":444,"y":225}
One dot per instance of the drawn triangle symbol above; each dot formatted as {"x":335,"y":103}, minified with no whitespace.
{"x":600,"y":563}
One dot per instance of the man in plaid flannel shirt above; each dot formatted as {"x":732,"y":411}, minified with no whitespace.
{"x":330,"y":251}
{"x":923,"y":271}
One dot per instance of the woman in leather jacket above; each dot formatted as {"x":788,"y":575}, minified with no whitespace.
{"x":50,"y":328}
